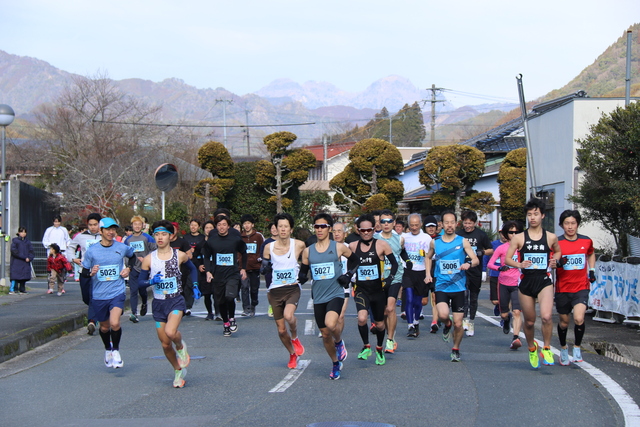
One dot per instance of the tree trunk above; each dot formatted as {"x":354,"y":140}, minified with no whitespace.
{"x":458,"y":203}
{"x":374,"y":180}
{"x":277,"y":162}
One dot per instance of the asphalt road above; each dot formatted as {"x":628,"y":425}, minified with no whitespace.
{"x":233,"y":381}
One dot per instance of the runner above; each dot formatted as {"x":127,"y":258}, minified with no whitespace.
{"x":142,"y":244}
{"x":280,"y":258}
{"x":431,"y":228}
{"x":254,"y":240}
{"x":449,"y":254}
{"x":221,"y":264}
{"x":370,"y":284}
{"x":163,"y":266}
{"x":339,"y":232}
{"x":178,"y":242}
{"x":396,"y":242}
{"x":196,"y":240}
{"x":103,"y":262}
{"x":273,"y":229}
{"x":535,"y":246}
{"x":481,"y":245}
{"x":81,"y":243}
{"x":416,"y":243}
{"x":205,"y":287}
{"x":323,"y":258}
{"x":573,"y":282}
{"x":507,"y":286}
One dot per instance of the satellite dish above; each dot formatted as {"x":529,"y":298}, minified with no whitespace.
{"x":166,"y":177}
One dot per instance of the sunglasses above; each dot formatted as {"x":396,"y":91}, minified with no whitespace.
{"x":320,"y":226}
{"x":365,"y":230}
{"x":386,"y":221}
{"x":512,"y":232}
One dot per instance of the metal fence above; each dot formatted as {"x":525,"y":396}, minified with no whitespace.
{"x":634,"y":245}
{"x":40,"y":261}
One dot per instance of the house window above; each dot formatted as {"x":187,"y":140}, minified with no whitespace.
{"x":315,"y":174}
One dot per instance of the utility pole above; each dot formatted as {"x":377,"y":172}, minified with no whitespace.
{"x":246,"y":114}
{"x":224,"y":117}
{"x":433,"y":101}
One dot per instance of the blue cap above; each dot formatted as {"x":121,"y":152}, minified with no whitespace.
{"x":108,"y":222}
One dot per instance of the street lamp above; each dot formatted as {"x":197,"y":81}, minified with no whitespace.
{"x":6,"y":118}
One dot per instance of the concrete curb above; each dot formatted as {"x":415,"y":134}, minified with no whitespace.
{"x":30,"y":338}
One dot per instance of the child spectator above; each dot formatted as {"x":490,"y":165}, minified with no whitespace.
{"x":57,"y":265}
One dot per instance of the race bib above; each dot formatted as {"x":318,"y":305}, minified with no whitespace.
{"x":224,"y":260}
{"x":416,"y":257}
{"x":169,"y":285}
{"x":322,"y":271}
{"x":252,"y":248}
{"x":368,"y":272}
{"x":284,"y":277}
{"x":137,"y":246}
{"x":575,"y":262}
{"x":538,"y":261}
{"x":108,"y":272}
{"x":449,"y":266}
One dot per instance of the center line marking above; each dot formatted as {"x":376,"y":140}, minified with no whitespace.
{"x":291,"y":377}
{"x":309,"y":328}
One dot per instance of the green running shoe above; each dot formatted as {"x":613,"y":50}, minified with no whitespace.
{"x":533,"y":358}
{"x":364,"y":353}
{"x":380,"y":359}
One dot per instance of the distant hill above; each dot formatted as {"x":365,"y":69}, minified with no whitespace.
{"x":605,"y":77}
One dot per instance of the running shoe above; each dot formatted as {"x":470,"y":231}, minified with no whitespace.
{"x":434,"y":327}
{"x":372,"y":329}
{"x":496,"y":310}
{"x":187,"y":312}
{"x":108,"y":359}
{"x":506,"y":326}
{"x":178,"y":380}
{"x":455,"y":355}
{"x":391,"y":346}
{"x":59,"y":294}
{"x":465,"y":324}
{"x":49,"y":291}
{"x":380,"y":359}
{"x":209,"y":316}
{"x":245,"y":313}
{"x":218,"y":318}
{"x":232,"y":325}
{"x":421,"y":317}
{"x":297,"y":346}
{"x":133,"y":318}
{"x":399,"y":302}
{"x":547,"y":357}
{"x":270,"y":311}
{"x":533,"y":357}
{"x":143,"y":310}
{"x":515,"y":344}
{"x":293,"y":361}
{"x":335,"y":371}
{"x":446,"y":332}
{"x":564,"y":357}
{"x":403,"y":315}
{"x":471,"y":330}
{"x":577,"y":355}
{"x":226,"y":332}
{"x":341,"y":351}
{"x":116,"y":360}
{"x":417,"y":330}
{"x":91,"y":328}
{"x":364,"y":353}
{"x":412,"y":332}
{"x":183,"y":356}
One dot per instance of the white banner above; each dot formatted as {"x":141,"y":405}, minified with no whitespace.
{"x":616,"y":289}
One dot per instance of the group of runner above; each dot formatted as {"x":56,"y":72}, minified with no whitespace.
{"x":377,"y":267}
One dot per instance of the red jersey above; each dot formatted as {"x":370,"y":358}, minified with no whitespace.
{"x":574,"y":275}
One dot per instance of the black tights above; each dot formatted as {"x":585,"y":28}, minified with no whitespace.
{"x":227,"y":309}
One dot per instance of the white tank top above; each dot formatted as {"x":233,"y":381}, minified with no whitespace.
{"x":171,"y":284}
{"x":285,"y":267}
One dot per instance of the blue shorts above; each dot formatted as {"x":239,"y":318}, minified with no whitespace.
{"x":162,"y":308}
{"x":102,"y":307}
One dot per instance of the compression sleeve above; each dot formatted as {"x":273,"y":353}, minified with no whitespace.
{"x":143,"y":278}
{"x":193,"y":271}
{"x":394,"y":265}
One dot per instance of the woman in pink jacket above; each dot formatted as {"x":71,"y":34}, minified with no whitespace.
{"x":508,"y":283}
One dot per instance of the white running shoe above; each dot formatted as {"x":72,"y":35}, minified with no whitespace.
{"x":178,"y":381}
{"x":471,"y":329}
{"x":108,"y":358}
{"x":117,"y":359}
{"x":465,"y":324}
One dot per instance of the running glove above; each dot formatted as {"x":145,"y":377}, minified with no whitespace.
{"x":562,"y":261}
{"x":156,"y":279}
{"x":196,"y":291}
{"x":592,"y":276}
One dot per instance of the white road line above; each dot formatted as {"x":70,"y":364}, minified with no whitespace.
{"x":626,"y":403}
{"x":291,"y":377}
{"x":309,"y":327}
{"x":310,"y":304}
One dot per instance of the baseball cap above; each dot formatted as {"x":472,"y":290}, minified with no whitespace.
{"x":430,"y":221}
{"x":108,"y":223}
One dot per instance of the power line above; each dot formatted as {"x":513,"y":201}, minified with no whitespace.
{"x":201,"y":126}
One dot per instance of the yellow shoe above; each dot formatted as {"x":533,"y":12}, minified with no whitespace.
{"x":533,"y":358}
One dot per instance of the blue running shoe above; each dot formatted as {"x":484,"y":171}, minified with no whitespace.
{"x":341,"y":351}
{"x":335,"y":371}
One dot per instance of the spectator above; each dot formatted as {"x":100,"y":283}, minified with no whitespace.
{"x":56,"y":234}
{"x":21,"y":256}
{"x":57,"y":266}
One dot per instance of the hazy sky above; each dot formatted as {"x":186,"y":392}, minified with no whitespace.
{"x":469,"y":46}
